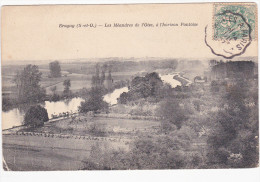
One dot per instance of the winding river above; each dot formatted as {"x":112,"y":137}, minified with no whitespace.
{"x":15,"y":116}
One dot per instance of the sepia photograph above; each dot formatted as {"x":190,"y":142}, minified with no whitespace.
{"x":129,"y":87}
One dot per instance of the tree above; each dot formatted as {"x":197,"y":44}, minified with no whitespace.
{"x":96,"y":80}
{"x":109,"y":77}
{"x":103,"y":77}
{"x":234,"y":140}
{"x":94,"y":102}
{"x":28,"y":85}
{"x":172,"y":112}
{"x":55,"y":69}
{"x":143,"y":87}
{"x":53,"y":89}
{"x":55,"y":96}
{"x":147,"y":86}
{"x":66,"y":91}
{"x":36,"y":116}
{"x":103,"y":73}
{"x":124,"y":98}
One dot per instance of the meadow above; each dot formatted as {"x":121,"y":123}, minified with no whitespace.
{"x":66,"y":145}
{"x":32,"y":153}
{"x":78,"y":80}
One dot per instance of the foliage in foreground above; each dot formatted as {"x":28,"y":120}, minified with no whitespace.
{"x":227,"y":119}
{"x":163,"y":152}
{"x":234,"y":140}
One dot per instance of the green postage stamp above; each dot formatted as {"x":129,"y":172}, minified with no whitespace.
{"x":234,"y":27}
{"x":232,"y":21}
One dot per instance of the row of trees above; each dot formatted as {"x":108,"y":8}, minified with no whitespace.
{"x":98,"y":79}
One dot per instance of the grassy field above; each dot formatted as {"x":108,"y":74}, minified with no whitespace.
{"x":30,"y":153}
{"x":78,"y":81}
{"x":100,"y":126}
{"x":51,"y":152}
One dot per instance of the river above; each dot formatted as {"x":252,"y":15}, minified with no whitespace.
{"x":111,"y":98}
{"x":169,"y":79}
{"x":15,"y":116}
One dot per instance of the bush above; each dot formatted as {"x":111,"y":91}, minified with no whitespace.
{"x":164,"y":152}
{"x":36,"y":116}
{"x":172,"y":112}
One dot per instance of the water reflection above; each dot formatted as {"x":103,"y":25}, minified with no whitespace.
{"x":15,"y":116}
{"x":12,"y":118}
{"x":111,"y":98}
{"x":62,"y":106}
{"x":170,"y":80}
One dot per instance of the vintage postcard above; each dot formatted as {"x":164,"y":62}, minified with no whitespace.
{"x":137,"y":86}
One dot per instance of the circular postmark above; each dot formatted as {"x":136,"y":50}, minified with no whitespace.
{"x":231,"y":35}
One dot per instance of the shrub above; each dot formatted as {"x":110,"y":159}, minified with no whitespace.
{"x":172,"y":112}
{"x":36,"y":116}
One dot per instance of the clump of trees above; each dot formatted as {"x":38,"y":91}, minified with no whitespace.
{"x":55,"y":69}
{"x":234,"y":138}
{"x":94,"y":99}
{"x":172,"y":112}
{"x":143,"y":87}
{"x":94,"y":102}
{"x":36,"y":116}
{"x":148,"y":152}
{"x":98,"y":80}
{"x":28,"y":85}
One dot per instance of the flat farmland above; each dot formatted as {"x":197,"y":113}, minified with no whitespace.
{"x":32,"y":153}
{"x":66,"y":145}
{"x":101,"y":126}
{"x":78,"y":81}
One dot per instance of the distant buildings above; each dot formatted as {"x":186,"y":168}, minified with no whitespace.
{"x":199,"y":79}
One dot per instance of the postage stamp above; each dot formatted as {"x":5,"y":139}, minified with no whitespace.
{"x":234,"y":28}
{"x":235,"y":21}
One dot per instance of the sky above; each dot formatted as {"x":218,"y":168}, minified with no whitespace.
{"x":33,"y":32}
